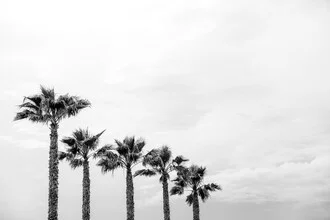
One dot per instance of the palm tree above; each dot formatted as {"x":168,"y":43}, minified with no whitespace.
{"x":192,"y":178}
{"x":81,"y":146}
{"x":125,"y":155}
{"x":48,"y":109}
{"x":159,"y":162}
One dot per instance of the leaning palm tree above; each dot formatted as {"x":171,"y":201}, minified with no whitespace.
{"x":125,"y":155}
{"x":192,"y":178}
{"x":80,"y":147}
{"x":158,"y":161}
{"x":48,"y":109}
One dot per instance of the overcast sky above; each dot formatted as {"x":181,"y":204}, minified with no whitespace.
{"x":241,"y":87}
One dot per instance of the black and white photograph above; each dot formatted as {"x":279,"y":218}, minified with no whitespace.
{"x":165,"y":110}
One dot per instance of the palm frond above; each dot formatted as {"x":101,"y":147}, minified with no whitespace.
{"x":139,"y":145}
{"x":165,"y":154}
{"x":69,"y":141}
{"x":121,"y":148}
{"x":32,"y":116}
{"x":107,"y":164}
{"x":76,"y":105}
{"x":62,"y":155}
{"x":74,"y":163}
{"x":82,"y":103}
{"x":111,"y":155}
{"x":203,"y":193}
{"x":152,"y":158}
{"x":178,"y":160}
{"x":179,"y":168}
{"x":212,"y":187}
{"x":197,"y":174}
{"x":190,"y":199}
{"x":201,"y":171}
{"x":176,"y":190}
{"x":183,"y":174}
{"x":47,"y":93}
{"x":75,"y":150}
{"x":30,"y":106}
{"x":35,"y":99}
{"x":23,"y":114}
{"x":181,"y":182}
{"x":134,"y":157}
{"x":130,"y":143}
{"x":80,"y":134}
{"x":144,"y":172}
{"x":68,"y":106}
{"x":40,"y":105}
{"x":101,"y":152}
{"x":92,"y":142}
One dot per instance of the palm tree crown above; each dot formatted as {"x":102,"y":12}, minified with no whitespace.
{"x":192,"y":178}
{"x":159,"y":161}
{"x":46,"y":107}
{"x":81,"y":147}
{"x":125,"y":155}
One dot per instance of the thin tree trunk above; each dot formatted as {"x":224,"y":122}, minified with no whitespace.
{"x":53,"y":174}
{"x":86,"y":192}
{"x":195,"y":207}
{"x":166,"y":200}
{"x":129,"y":194}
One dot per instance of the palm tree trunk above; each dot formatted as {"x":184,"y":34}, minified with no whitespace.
{"x":86,"y":192}
{"x":166,"y":200}
{"x":195,"y":207}
{"x":53,"y":173}
{"x":129,"y":194}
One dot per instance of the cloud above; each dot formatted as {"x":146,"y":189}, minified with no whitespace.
{"x":304,"y":183}
{"x":25,"y":143}
{"x":241,"y":87}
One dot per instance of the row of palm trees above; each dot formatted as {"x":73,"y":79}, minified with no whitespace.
{"x":49,"y":109}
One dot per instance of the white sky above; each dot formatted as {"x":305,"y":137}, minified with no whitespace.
{"x":239,"y":86}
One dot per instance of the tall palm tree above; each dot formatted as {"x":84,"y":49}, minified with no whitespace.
{"x":48,"y":109}
{"x":80,"y":147}
{"x":125,"y":155}
{"x":192,"y":178}
{"x":159,"y":161}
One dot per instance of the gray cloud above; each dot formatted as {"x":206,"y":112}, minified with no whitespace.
{"x":241,"y":87}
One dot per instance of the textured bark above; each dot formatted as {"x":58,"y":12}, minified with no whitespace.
{"x":129,"y":194}
{"x":53,"y":174}
{"x":195,"y":207}
{"x":166,"y":200}
{"x":86,"y":192}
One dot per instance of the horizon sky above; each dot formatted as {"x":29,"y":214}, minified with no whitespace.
{"x":241,"y":87}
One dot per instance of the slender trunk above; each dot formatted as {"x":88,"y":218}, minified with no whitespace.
{"x":53,"y":173}
{"x":129,"y":194}
{"x":195,"y":207}
{"x":166,"y":200}
{"x":86,"y":192}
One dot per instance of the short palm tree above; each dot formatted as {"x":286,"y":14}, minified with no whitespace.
{"x":159,"y":161}
{"x":80,"y":147}
{"x":192,"y":178}
{"x":125,"y":155}
{"x":48,"y":109}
